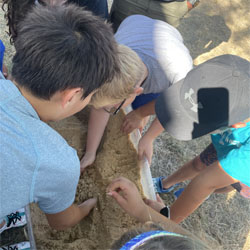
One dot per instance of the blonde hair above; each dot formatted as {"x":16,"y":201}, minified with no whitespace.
{"x":122,"y":86}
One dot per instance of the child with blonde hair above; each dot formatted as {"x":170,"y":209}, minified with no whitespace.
{"x":152,"y":57}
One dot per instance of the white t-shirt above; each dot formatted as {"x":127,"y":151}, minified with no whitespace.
{"x":161,"y":48}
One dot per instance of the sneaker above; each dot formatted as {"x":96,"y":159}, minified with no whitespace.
{"x":20,"y":246}
{"x":177,"y":193}
{"x":158,"y":187}
{"x":16,"y":219}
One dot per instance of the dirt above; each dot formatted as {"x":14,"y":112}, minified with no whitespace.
{"x":213,"y":28}
{"x":116,"y":157}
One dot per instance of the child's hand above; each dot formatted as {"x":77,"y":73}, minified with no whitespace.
{"x":87,"y":160}
{"x":129,"y":199}
{"x":132,"y":121}
{"x":156,"y":205}
{"x":145,"y":148}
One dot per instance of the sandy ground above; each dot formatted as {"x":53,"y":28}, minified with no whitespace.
{"x":213,"y":28}
{"x":116,"y":157}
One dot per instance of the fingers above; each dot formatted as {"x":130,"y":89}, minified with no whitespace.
{"x":158,"y":198}
{"x":120,"y":183}
{"x":88,"y":205}
{"x":147,"y":201}
{"x":83,"y":166}
{"x":119,"y":199}
{"x":127,"y":127}
{"x":140,"y":153}
{"x":86,"y":161}
{"x":143,"y":153}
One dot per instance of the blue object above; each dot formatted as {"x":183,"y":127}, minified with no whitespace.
{"x":144,"y":99}
{"x":2,"y":49}
{"x":178,"y":193}
{"x":233,"y":152}
{"x":142,"y":238}
{"x":159,"y":188}
{"x":98,"y":7}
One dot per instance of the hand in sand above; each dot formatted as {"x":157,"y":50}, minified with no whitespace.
{"x":87,"y":160}
{"x":132,"y":121}
{"x":145,"y":148}
{"x":88,"y":205}
{"x":128,"y":197}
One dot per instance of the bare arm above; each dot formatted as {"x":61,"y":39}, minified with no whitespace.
{"x":97,"y":123}
{"x":145,"y":146}
{"x":134,"y":119}
{"x":127,"y":196}
{"x":147,"y":109}
{"x":70,"y":216}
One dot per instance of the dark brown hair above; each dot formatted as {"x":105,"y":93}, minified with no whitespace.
{"x":63,"y":47}
{"x":15,"y":11}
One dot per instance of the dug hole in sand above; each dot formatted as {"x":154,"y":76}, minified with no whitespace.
{"x":116,"y":157}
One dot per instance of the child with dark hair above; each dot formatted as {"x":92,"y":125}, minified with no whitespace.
{"x":17,"y":10}
{"x":158,"y":233}
{"x":63,"y":55}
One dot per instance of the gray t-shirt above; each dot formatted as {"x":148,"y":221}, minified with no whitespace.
{"x":36,"y":163}
{"x":161,"y":48}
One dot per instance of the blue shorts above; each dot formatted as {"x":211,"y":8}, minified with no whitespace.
{"x":143,"y":99}
{"x":98,"y":7}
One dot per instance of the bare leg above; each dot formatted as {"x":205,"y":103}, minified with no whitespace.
{"x":191,"y":169}
{"x":209,"y":180}
{"x":224,"y":190}
{"x":187,"y":172}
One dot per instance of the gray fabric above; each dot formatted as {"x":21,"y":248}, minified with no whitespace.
{"x":170,"y":12}
{"x":161,"y":48}
{"x":215,"y":94}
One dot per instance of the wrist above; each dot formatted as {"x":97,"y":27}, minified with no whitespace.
{"x":91,"y":152}
{"x":148,"y":137}
{"x":144,"y":214}
{"x":139,"y":113}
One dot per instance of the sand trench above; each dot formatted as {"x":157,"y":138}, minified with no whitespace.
{"x":116,"y":157}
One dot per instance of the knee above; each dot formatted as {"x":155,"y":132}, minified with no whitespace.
{"x":197,"y":164}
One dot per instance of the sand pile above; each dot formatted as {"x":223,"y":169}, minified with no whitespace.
{"x":117,"y":157}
